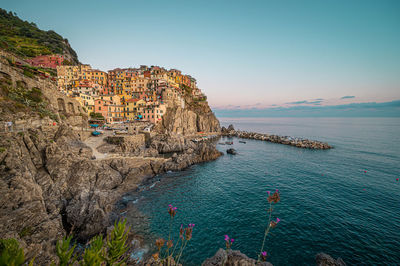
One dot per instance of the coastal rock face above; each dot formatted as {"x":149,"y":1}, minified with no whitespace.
{"x":207,"y":123}
{"x":179,"y":121}
{"x":50,"y":185}
{"x":187,"y":121}
{"x":323,"y":259}
{"x":232,"y":258}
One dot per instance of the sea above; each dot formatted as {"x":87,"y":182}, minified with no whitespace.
{"x":344,"y":202}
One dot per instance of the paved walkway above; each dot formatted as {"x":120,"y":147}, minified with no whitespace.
{"x":94,"y":142}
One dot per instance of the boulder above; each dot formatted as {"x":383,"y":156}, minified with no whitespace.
{"x":231,"y":258}
{"x":231,"y":128}
{"x":323,"y":259}
{"x":231,"y":151}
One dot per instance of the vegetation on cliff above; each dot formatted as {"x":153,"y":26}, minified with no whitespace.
{"x":25,"y":39}
{"x":19,"y":98}
{"x":98,"y":251}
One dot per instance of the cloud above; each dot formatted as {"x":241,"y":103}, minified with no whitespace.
{"x":315,"y":102}
{"x":369,"y":109}
{"x":299,"y":102}
{"x":347,"y":97}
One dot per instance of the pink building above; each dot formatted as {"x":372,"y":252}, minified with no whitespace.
{"x":50,"y":61}
{"x":101,"y":107}
{"x":154,"y":113}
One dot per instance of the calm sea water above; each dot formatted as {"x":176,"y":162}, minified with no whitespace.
{"x":328,"y":203}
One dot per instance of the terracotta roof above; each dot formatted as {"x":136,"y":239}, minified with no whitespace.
{"x":132,"y":100}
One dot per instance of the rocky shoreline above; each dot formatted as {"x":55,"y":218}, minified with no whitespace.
{"x":51,"y":185}
{"x":286,"y":140}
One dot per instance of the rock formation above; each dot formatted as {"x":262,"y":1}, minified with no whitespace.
{"x":296,"y":142}
{"x":232,"y":258}
{"x":231,"y":151}
{"x":323,"y":259}
{"x":188,"y":119}
{"x":50,"y":185}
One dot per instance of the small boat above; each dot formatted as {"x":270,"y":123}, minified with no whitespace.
{"x":229,"y":142}
{"x":221,"y":143}
{"x":241,"y":141}
{"x":96,"y":133}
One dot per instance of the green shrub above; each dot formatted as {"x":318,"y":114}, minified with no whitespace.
{"x":116,"y":244}
{"x":99,"y":251}
{"x":10,"y":253}
{"x":2,"y":149}
{"x":94,"y":253}
{"x":64,"y":251}
{"x":97,"y":116}
{"x":29,"y":73}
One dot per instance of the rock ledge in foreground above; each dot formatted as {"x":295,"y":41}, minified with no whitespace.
{"x":230,"y":258}
{"x":323,"y":259}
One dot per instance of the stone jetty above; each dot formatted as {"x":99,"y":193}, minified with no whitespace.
{"x":296,"y":142}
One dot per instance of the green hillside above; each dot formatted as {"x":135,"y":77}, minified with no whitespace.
{"x":25,"y":39}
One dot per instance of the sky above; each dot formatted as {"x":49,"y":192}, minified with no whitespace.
{"x":244,"y":54}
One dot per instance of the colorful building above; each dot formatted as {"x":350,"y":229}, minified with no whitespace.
{"x":47,"y":61}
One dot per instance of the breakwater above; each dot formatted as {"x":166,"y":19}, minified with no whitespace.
{"x":286,"y":140}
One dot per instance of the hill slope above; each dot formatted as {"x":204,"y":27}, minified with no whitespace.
{"x":25,"y":39}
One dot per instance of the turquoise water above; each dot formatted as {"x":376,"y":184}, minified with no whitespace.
{"x":328,"y":203}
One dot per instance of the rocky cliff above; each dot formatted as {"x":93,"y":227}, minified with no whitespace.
{"x":194,"y":117}
{"x":50,"y":185}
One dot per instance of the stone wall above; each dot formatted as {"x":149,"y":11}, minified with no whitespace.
{"x":128,"y":143}
{"x":67,"y":108}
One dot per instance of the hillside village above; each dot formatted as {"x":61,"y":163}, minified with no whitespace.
{"x":127,"y":94}
{"x":121,"y":95}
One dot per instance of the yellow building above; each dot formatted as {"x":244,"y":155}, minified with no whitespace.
{"x":139,"y":84}
{"x":95,"y":75}
{"x":86,"y":101}
{"x":67,"y":75}
{"x":133,"y":108}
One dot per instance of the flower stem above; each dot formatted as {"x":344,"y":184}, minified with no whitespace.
{"x":266,"y":230}
{"x":180,"y":254}
{"x":172,"y":254}
{"x":169,"y":236}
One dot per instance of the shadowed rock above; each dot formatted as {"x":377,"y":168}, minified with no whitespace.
{"x":231,"y":151}
{"x":232,"y":258}
{"x":323,"y":259}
